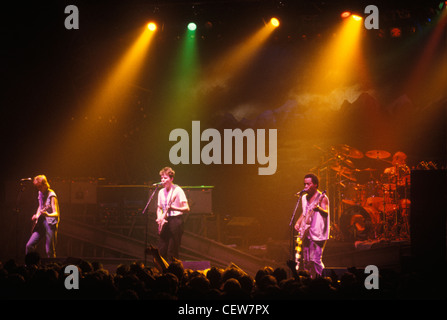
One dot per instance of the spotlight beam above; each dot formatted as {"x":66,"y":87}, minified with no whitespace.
{"x":435,"y":40}
{"x":234,"y":61}
{"x":334,"y":67}
{"x":182,"y":79}
{"x":113,"y":90}
{"x":108,"y":102}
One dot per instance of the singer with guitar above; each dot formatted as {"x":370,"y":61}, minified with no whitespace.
{"x":46,"y":218}
{"x":313,"y":225}
{"x":171,"y":208}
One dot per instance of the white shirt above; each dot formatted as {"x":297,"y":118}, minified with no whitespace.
{"x":319,"y":226}
{"x":175,"y":196}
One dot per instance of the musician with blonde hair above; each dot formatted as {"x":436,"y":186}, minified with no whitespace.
{"x":46,"y":218}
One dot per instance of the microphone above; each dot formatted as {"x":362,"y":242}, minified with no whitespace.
{"x":158,"y":184}
{"x":301,"y":192}
{"x":26,"y":179}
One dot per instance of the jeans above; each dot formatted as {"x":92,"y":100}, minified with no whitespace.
{"x":312,"y":254}
{"x":49,"y":231}
{"x":171,"y":237}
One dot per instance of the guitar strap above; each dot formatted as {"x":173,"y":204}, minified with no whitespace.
{"x":45,"y":203}
{"x":311,"y":203}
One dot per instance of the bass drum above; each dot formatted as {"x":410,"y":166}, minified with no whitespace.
{"x":356,"y":223}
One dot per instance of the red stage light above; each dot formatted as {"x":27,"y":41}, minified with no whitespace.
{"x":345,"y":14}
{"x":395,"y":32}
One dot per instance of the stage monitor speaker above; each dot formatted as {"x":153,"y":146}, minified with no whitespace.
{"x":199,"y":199}
{"x":243,"y":229}
{"x":428,"y":215}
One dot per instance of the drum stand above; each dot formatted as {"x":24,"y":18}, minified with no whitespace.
{"x":395,"y":208}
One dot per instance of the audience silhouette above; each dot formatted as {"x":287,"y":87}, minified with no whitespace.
{"x":163,"y":281}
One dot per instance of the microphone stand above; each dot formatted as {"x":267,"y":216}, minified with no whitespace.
{"x":147,"y":222}
{"x":17,"y":212}
{"x":292,"y":253}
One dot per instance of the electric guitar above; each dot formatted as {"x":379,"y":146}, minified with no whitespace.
{"x":164,"y":213}
{"x":303,"y":230}
{"x":39,"y":217}
{"x":163,"y":220}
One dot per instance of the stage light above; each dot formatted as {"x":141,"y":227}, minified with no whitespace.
{"x":345,"y":14}
{"x":152,"y":26}
{"x":429,"y":74}
{"x":182,"y":79}
{"x":192,"y":26}
{"x":112,"y":96}
{"x":274,"y":22}
{"x":395,"y":32}
{"x":333,"y":65}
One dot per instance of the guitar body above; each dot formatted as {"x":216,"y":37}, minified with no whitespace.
{"x":39,"y":218}
{"x":162,"y":223}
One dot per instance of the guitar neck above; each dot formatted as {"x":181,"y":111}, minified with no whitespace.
{"x":311,"y":212}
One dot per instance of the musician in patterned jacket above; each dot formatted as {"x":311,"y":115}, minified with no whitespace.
{"x":46,"y":218}
{"x":313,"y":225}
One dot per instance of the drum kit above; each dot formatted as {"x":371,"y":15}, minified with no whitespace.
{"x":369,"y":203}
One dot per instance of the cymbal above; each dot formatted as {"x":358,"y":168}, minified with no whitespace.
{"x":356,"y":154}
{"x":350,"y":151}
{"x":378,"y":154}
{"x":341,"y":169}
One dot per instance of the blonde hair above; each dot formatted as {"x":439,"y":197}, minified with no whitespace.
{"x":399,"y":156}
{"x":41,"y":179}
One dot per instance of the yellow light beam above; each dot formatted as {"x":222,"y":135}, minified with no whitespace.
{"x":107,"y":104}
{"x":235,"y":60}
{"x":336,"y":65}
{"x":116,"y":85}
{"x":421,"y":76}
